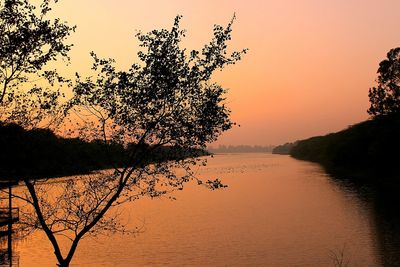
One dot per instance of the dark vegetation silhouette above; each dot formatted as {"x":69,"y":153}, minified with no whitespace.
{"x":362,"y":150}
{"x":149,"y":123}
{"x":30,"y":91}
{"x":46,"y":155}
{"x":283,"y":149}
{"x":366,"y":150}
{"x":385,"y":97}
{"x":29,"y":41}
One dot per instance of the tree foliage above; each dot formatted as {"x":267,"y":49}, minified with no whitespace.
{"x":385,"y":98}
{"x":168,"y":99}
{"x":28,"y":42}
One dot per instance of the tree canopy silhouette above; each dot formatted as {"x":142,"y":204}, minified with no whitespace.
{"x":28,"y":42}
{"x":385,"y":98}
{"x":168,"y":99}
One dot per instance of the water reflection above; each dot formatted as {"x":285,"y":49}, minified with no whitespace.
{"x":8,"y":216}
{"x":381,"y":199}
{"x":387,"y":220}
{"x":277,"y":211}
{"x":8,"y":256}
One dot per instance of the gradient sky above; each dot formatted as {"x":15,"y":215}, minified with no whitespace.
{"x":307,"y":72}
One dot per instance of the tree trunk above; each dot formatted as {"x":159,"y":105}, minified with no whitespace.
{"x":64,"y":263}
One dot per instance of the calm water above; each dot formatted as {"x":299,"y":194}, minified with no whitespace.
{"x":277,"y":211}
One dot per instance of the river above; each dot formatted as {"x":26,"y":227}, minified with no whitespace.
{"x":276,"y":211}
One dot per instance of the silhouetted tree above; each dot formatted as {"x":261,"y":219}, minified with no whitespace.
{"x":167,"y":99}
{"x":385,"y":98}
{"x":28,"y":41}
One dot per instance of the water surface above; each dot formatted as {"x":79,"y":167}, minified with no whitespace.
{"x":277,"y":211}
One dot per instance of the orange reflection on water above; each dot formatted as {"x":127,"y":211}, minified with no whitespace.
{"x":277,"y":211}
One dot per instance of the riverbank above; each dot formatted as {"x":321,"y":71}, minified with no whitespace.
{"x":39,"y":153}
{"x":364,"y":152}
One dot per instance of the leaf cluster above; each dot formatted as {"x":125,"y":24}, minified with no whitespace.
{"x":385,"y":97}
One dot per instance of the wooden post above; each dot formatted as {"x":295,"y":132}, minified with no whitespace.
{"x":9,"y":225}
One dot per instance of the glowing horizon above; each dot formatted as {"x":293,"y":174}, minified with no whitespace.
{"x":309,"y":66}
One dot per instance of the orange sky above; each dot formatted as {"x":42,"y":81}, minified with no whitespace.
{"x":309,"y":66}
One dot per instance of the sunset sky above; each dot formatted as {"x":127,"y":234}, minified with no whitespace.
{"x":309,"y":66}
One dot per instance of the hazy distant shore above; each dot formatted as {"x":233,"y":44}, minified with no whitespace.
{"x":222,"y":149}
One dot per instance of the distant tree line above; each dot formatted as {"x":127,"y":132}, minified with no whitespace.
{"x":283,"y":149}
{"x":39,"y":153}
{"x":367,"y":148}
{"x":240,"y":149}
